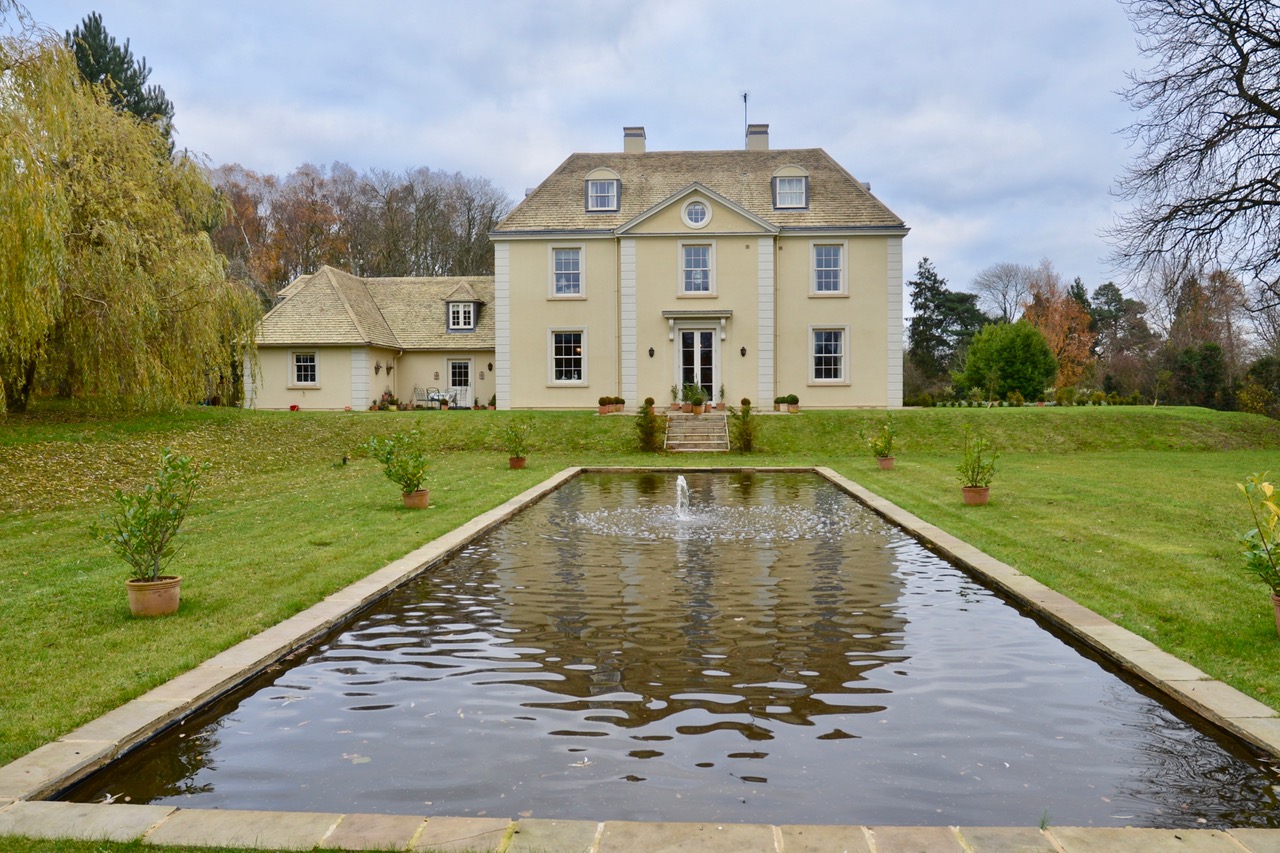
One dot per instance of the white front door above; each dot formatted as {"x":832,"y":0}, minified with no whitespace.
{"x":697,"y":359}
{"x":460,"y":382}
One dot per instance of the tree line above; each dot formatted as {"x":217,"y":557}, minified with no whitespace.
{"x":378,"y":223}
{"x":1195,"y":337}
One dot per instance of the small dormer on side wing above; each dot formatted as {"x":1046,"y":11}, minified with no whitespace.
{"x":462,"y":309}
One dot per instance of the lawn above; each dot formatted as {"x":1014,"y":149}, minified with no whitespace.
{"x":1132,"y":512}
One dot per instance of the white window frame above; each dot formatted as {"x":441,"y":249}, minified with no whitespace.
{"x":293,"y":369}
{"x":552,"y":381}
{"x":684,"y":213}
{"x":843,"y":379}
{"x":610,"y":199}
{"x":843,"y":288}
{"x":710,"y":245}
{"x":462,"y":316}
{"x":581,"y":249}
{"x":778,"y":192}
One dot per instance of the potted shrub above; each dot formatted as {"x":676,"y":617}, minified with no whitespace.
{"x":493,"y":402}
{"x":404,"y":460}
{"x":1261,"y":542}
{"x":977,"y":469}
{"x":141,"y":529}
{"x":516,"y":437}
{"x":603,"y":406}
{"x":880,"y":444}
{"x":686,"y":397}
{"x":675,"y":399}
{"x":697,"y":401}
{"x":720,"y":403}
{"x":793,"y":403}
{"x":649,"y":427}
{"x":778,"y":403}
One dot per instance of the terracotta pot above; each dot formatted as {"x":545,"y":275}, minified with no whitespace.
{"x":154,"y":598}
{"x":720,"y":406}
{"x":885,"y":463}
{"x":516,"y":462}
{"x":686,"y":407}
{"x":697,"y":410}
{"x":975,"y":495}
{"x":793,"y":407}
{"x":777,"y":407}
{"x":416,"y":500}
{"x":675,"y":407}
{"x":1275,"y":602}
{"x":603,"y":410}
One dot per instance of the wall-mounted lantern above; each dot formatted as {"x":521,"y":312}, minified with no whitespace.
{"x":377,"y":368}
{"x":743,"y":351}
{"x":650,"y":352}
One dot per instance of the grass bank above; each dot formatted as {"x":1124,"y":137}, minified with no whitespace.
{"x":1130,"y":511}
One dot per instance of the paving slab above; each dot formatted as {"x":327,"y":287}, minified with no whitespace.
{"x":373,"y":832}
{"x":1222,"y":699}
{"x":205,"y":680}
{"x":621,"y":836}
{"x":915,"y":839}
{"x":1263,"y":732}
{"x":39,"y":772}
{"x":1258,"y":840}
{"x":537,"y":835}
{"x":1005,"y":839}
{"x":1075,"y":839}
{"x":80,"y":820}
{"x":824,"y":839}
{"x":462,"y":833}
{"x":129,"y":722}
{"x":252,"y":829}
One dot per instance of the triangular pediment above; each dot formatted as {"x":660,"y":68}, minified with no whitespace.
{"x":667,"y":216}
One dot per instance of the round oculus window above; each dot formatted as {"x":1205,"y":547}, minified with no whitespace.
{"x":696,"y":214}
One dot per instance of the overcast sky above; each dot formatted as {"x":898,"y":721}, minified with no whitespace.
{"x":993,"y":127}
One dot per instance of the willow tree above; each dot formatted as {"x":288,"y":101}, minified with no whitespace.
{"x":117,"y":294}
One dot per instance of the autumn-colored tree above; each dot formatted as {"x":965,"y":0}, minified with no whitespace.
{"x":109,"y":286}
{"x":1063,"y":321}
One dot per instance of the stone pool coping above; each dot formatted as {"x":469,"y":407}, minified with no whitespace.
{"x":57,"y":765}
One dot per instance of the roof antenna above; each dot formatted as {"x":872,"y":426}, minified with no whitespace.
{"x":745,"y":95}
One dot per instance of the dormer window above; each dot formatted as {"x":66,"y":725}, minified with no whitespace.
{"x":462,"y":316}
{"x":790,"y":192}
{"x":602,"y":194}
{"x":791,"y":188}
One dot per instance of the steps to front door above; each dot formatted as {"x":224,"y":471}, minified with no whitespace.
{"x":707,"y":433}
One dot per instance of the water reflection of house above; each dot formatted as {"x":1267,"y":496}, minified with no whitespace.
{"x":791,"y":626}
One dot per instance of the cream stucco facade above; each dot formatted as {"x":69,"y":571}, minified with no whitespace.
{"x":692,"y":272}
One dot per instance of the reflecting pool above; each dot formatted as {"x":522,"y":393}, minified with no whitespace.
{"x":774,"y":653}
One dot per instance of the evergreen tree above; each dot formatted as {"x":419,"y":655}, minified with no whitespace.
{"x":1006,"y":357}
{"x":104,"y":62}
{"x":942,"y":323}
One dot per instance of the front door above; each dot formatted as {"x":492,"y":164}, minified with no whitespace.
{"x":698,"y":360}
{"x":460,"y":383}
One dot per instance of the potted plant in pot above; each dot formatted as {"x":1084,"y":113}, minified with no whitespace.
{"x":1260,"y":544}
{"x":793,"y":403}
{"x":675,"y":399}
{"x":604,"y":404}
{"x":977,"y":469}
{"x":141,"y":529}
{"x":516,"y":437}
{"x":697,"y":401}
{"x":779,"y":402}
{"x":721,"y":405}
{"x":404,"y":460}
{"x":880,"y":444}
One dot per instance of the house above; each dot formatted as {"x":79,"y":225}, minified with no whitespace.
{"x":336,"y":340}
{"x":762,"y":272}
{"x":756,"y":272}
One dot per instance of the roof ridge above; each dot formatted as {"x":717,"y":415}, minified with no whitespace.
{"x":346,"y":304}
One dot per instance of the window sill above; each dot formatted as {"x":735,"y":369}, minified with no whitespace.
{"x":829,"y":383}
{"x":683,"y":295}
{"x":315,"y":387}
{"x":574,"y":297}
{"x":828,"y":294}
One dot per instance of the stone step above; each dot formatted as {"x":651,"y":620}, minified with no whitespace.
{"x":706,"y":433}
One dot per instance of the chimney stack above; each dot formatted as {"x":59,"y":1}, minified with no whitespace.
{"x":633,"y":140}
{"x":757,"y":137}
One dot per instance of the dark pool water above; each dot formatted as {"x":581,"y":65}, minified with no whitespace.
{"x":781,"y":656}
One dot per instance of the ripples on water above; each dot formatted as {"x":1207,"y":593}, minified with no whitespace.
{"x":781,"y":655}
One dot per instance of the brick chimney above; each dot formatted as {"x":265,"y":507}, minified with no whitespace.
{"x":633,"y":140}
{"x":757,"y":137}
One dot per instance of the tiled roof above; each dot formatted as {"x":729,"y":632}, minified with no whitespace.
{"x":332,"y":307}
{"x":836,"y":198}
